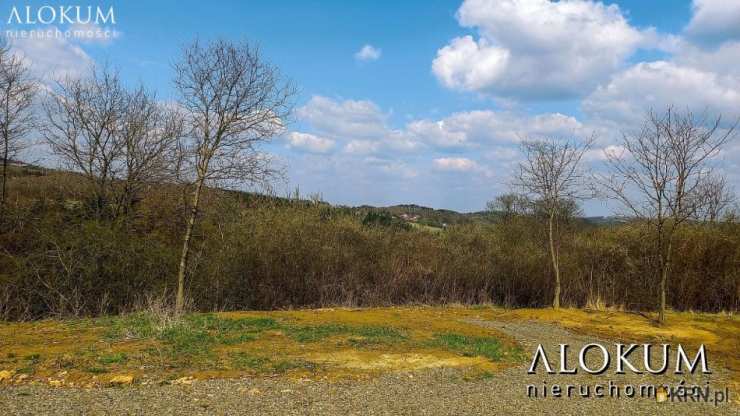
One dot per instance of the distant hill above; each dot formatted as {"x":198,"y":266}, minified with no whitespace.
{"x":411,"y":213}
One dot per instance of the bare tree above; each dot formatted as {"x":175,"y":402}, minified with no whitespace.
{"x":719,"y":199}
{"x":149,"y":133}
{"x":233,"y":101}
{"x":550,"y":174}
{"x":82,"y":122}
{"x":662,"y":176}
{"x":17,"y":91}
{"x":118,"y":139}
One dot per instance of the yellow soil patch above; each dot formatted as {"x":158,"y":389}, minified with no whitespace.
{"x":720,"y":333}
{"x":70,"y":350}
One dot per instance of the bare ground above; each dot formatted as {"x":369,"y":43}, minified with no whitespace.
{"x":429,"y":392}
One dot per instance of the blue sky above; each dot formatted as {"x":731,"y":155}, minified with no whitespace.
{"x":432,"y":112}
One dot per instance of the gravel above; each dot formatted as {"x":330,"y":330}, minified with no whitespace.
{"x":430,"y":392}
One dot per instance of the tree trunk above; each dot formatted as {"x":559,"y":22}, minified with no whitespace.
{"x":180,"y":300}
{"x":665,"y":270}
{"x":555,"y":265}
{"x":5,"y":178}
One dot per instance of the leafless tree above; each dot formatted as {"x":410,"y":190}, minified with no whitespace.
{"x":719,"y":199}
{"x":149,"y":132}
{"x":551,"y":176}
{"x":233,"y":101}
{"x":82,"y":123}
{"x":17,"y":91}
{"x":662,"y":176}
{"x":118,"y":139}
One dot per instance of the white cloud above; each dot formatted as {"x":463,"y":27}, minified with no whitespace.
{"x":658,"y":84}
{"x":469,"y":65}
{"x":52,"y":58}
{"x":485,"y":127}
{"x":363,"y":128}
{"x":722,"y":59}
{"x":714,"y":21}
{"x":455,"y":164}
{"x":362,"y":147}
{"x":391,"y":167}
{"x":348,"y":118}
{"x":537,"y":48}
{"x":309,"y":142}
{"x":368,"y":53}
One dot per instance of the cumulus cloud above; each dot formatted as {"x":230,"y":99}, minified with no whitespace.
{"x":659,"y":84}
{"x":52,"y":58}
{"x":363,"y":128}
{"x":348,"y":118}
{"x":368,"y":53}
{"x":714,"y":21}
{"x":722,"y":59}
{"x":485,"y":127}
{"x":537,"y":48}
{"x":309,"y":142}
{"x":455,"y":164}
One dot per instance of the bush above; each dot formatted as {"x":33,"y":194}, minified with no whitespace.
{"x":253,"y":253}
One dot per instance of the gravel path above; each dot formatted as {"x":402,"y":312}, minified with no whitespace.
{"x":433,"y":392}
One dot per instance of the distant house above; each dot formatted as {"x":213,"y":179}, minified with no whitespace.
{"x":409,"y":217}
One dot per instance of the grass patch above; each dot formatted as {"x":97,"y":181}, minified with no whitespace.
{"x":243,"y":361}
{"x":96,"y":370}
{"x":193,"y":335}
{"x":33,"y":358}
{"x":117,"y":358}
{"x":368,"y":335}
{"x":470,"y":346}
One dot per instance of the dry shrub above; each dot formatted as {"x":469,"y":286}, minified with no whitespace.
{"x":257,"y":253}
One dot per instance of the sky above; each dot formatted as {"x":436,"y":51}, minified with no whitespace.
{"x":425,"y":102}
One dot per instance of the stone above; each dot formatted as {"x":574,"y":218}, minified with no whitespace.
{"x":187,"y":380}
{"x":123,"y":379}
{"x":661,"y":394}
{"x":6,"y":375}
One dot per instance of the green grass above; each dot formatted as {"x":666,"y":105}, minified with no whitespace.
{"x":117,"y":358}
{"x":191,"y":340}
{"x":427,"y":228}
{"x":96,"y":370}
{"x":242,"y":360}
{"x":488,"y":347}
{"x":368,"y":334}
{"x":33,"y":358}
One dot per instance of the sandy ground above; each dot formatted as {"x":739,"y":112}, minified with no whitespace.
{"x":429,"y":392}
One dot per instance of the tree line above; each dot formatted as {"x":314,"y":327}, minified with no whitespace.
{"x":156,"y":172}
{"x":660,"y":174}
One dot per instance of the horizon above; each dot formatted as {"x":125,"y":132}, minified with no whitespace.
{"x":425,"y":103}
